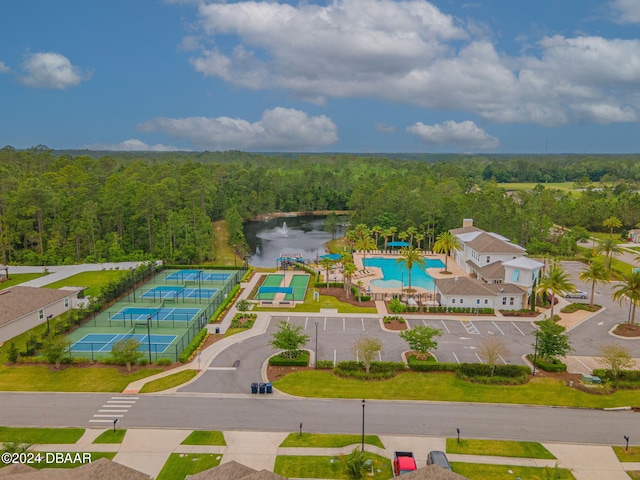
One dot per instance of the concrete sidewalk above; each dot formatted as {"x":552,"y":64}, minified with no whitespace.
{"x":147,"y":450}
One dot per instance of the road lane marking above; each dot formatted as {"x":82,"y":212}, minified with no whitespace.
{"x":125,"y":398}
{"x":110,"y":416}
{"x":495,"y":325}
{"x":523,"y":334}
{"x":106,"y":410}
{"x":221,"y":368}
{"x":470,"y":327}
{"x":100,"y":421}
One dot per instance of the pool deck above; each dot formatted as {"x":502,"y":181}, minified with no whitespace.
{"x":376,"y":273}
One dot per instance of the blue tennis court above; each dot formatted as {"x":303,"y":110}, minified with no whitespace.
{"x":103,"y":342}
{"x":162,"y":292}
{"x":142,"y":314}
{"x":195,"y":275}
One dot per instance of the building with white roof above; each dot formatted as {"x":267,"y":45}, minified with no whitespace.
{"x":500,"y":276}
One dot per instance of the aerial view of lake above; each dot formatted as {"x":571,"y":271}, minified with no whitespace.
{"x":292,"y":235}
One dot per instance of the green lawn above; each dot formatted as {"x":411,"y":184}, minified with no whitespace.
{"x":40,"y":435}
{"x":498,"y":448}
{"x":18,"y":278}
{"x":205,"y":437}
{"x":631,"y":455}
{"x":446,"y":387}
{"x":327,"y":467}
{"x":109,"y":436}
{"x":92,"y":280}
{"x":321,"y":440}
{"x":169,"y":381}
{"x":565,"y":186}
{"x":179,"y":465}
{"x":326,"y":301}
{"x":38,"y":378}
{"x":480,"y":471}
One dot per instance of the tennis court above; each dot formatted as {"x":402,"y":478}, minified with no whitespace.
{"x":171,"y":292}
{"x":103,"y":342}
{"x":197,"y":275}
{"x":142,"y":314}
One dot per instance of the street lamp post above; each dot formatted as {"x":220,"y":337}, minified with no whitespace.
{"x":316,"y":345}
{"x":363,"y":403}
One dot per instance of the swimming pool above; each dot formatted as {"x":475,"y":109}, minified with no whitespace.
{"x":394,"y":275}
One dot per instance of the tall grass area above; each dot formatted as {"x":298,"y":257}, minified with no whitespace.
{"x":18,"y":278}
{"x":92,"y":280}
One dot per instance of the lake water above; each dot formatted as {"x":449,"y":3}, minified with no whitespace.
{"x":291,"y":235}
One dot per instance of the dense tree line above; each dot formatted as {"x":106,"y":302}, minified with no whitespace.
{"x":65,"y":207}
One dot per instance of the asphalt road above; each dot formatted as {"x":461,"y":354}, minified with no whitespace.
{"x":267,"y":413}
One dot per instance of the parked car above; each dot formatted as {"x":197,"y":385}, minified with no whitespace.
{"x":436,"y":457}
{"x":403,"y":462}
{"x":576,"y":294}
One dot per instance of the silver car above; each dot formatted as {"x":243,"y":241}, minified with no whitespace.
{"x":576,"y":294}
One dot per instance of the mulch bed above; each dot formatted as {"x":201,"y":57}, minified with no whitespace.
{"x":626,"y":330}
{"x":395,"y":325}
{"x":274,"y":372}
{"x":341,"y":295}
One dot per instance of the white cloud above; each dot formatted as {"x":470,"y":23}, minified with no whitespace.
{"x":4,"y":68}
{"x":278,"y":129}
{"x":627,"y":11}
{"x":408,"y":51}
{"x":462,"y":135}
{"x":131,"y":145}
{"x":50,"y":70}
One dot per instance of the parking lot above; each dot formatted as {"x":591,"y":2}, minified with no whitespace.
{"x":458,"y":343}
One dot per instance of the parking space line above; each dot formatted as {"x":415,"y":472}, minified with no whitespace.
{"x":380,"y":354}
{"x":479,"y":359}
{"x":335,"y":356}
{"x":496,"y":325}
{"x":362,"y":320}
{"x":306,"y":320}
{"x":344,"y":324}
{"x":470,"y":327}
{"x":456,"y":357}
{"x":503,"y":360}
{"x":325,"y":324}
{"x":445,"y":327}
{"x":523,"y":334}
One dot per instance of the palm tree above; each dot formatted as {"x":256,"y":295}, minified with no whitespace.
{"x":556,"y":281}
{"x":409,"y":257}
{"x":363,"y":241}
{"x":327,"y":263}
{"x":376,"y":230}
{"x":419,"y":239}
{"x":594,"y":273}
{"x":386,"y":234}
{"x":609,"y":246}
{"x":393,"y":231}
{"x":411,"y":231}
{"x":446,"y":242}
{"x":611,"y":223}
{"x":629,"y":289}
{"x":348,"y":270}
{"x":355,"y":465}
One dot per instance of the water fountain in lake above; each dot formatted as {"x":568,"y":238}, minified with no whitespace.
{"x":303,"y":235}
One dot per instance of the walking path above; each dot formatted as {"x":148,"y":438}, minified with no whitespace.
{"x":147,"y":450}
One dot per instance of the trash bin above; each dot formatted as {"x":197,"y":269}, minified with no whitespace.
{"x":217,"y":329}
{"x":254,"y":388}
{"x":269,"y":387}
{"x":263,"y":387}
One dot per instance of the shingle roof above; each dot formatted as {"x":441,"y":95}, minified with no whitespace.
{"x":227,"y":471}
{"x":18,"y":301}
{"x":492,"y":271}
{"x":524,"y":262}
{"x":101,"y":469}
{"x":458,"y":231}
{"x":432,"y":472}
{"x":469,"y":286}
{"x":485,"y":243}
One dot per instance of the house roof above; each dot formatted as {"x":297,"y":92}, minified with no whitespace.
{"x":18,"y":301}
{"x":227,"y":471}
{"x":524,"y":262}
{"x":101,"y":469}
{"x":492,"y":271}
{"x":469,"y":286}
{"x":432,"y":472}
{"x":458,"y":231}
{"x":485,"y":243}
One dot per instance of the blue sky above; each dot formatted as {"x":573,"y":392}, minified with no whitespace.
{"x":495,"y":76}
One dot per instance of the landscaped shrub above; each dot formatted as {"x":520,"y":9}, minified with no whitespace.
{"x":377,"y":371}
{"x":325,"y":364}
{"x":350,"y":365}
{"x":225,"y":303}
{"x":623,"y":375}
{"x":496,"y":380}
{"x":391,"y":318}
{"x":493,"y":374}
{"x":250,"y":318}
{"x":574,"y":307}
{"x":193,"y":346}
{"x":548,"y":364}
{"x":430,"y":366}
{"x":396,"y":306}
{"x":387,"y":367}
{"x":363,"y":375}
{"x":143,"y":362}
{"x":302,"y":360}
{"x":165,"y":362}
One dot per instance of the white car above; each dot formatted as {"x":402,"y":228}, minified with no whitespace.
{"x":576,"y":294}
